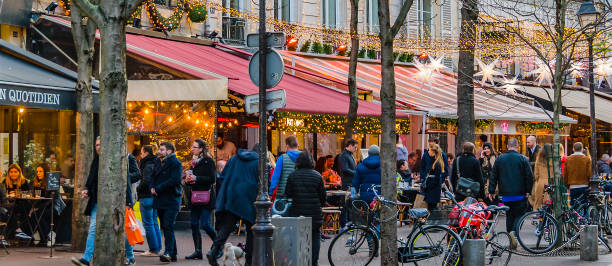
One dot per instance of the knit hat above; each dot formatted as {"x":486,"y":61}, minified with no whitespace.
{"x":373,"y":150}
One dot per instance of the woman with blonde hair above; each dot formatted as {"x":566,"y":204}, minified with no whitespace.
{"x":436,"y":173}
{"x":543,"y":170}
{"x":16,"y":181}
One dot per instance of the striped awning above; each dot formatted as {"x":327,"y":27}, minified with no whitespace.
{"x":438,"y":97}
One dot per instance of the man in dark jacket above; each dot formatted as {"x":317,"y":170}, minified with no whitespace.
{"x":166,"y":190}
{"x":237,"y":193}
{"x":305,"y":186}
{"x":513,"y":174}
{"x":467,"y":166}
{"x":532,"y":150}
{"x":367,"y":174}
{"x":346,"y":163}
{"x":149,"y":163}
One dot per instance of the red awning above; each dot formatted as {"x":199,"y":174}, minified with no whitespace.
{"x":208,"y":62}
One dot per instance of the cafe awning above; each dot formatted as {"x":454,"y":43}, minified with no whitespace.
{"x":438,"y":97}
{"x":29,"y":80}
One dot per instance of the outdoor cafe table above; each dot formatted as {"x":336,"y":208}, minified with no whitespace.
{"x":32,"y":202}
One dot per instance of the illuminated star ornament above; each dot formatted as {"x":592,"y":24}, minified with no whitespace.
{"x":542,"y":73}
{"x":510,"y":85}
{"x":436,"y":64}
{"x":487,"y":71}
{"x":603,"y":69}
{"x":425,"y":72}
{"x":577,"y":70}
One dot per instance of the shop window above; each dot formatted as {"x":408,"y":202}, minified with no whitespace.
{"x":233,"y":27}
{"x":442,"y":138}
{"x":329,"y":13}
{"x":373,"y":24}
{"x":282,"y":10}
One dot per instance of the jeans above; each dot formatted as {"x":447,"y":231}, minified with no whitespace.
{"x":168,"y":218}
{"x":226,"y":222}
{"x":129,"y":250}
{"x":575,"y":193}
{"x":91,"y":235}
{"x":149,"y":221}
{"x":517,"y":209}
{"x":200,"y":217}
{"x":316,"y":243}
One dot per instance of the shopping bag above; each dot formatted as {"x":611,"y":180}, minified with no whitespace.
{"x":419,"y":201}
{"x":132,"y":230}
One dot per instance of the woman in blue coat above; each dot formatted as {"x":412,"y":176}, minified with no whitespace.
{"x":435,"y":175}
{"x":366,"y":175}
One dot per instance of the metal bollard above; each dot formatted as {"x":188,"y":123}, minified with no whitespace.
{"x":474,"y":252}
{"x":589,"y":243}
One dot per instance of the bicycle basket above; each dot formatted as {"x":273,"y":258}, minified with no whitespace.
{"x":443,"y":217}
{"x":360,"y":213}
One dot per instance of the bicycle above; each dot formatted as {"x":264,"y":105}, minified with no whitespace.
{"x":475,"y":223}
{"x":358,"y":243}
{"x":538,"y":231}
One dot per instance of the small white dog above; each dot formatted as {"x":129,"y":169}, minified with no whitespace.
{"x":233,"y":255}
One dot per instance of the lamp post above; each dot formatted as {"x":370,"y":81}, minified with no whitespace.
{"x":588,"y":16}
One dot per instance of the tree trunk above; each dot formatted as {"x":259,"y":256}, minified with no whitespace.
{"x":465,"y":80}
{"x":84,"y":43}
{"x":352,"y":77}
{"x":388,"y":155}
{"x":110,"y":236}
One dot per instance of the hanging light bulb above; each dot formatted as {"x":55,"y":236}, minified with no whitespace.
{"x":170,"y":119}
{"x":176,"y":106}
{"x":198,"y":121}
{"x":146,"y":111}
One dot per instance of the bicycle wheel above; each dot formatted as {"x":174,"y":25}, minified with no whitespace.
{"x":537,"y":232}
{"x":353,"y":246}
{"x":607,"y":220}
{"x":498,"y":249}
{"x":434,"y":245}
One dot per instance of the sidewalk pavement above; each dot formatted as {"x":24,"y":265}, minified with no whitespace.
{"x":39,"y":256}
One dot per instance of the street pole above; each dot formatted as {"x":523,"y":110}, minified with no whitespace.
{"x":263,"y":228}
{"x":592,"y":106}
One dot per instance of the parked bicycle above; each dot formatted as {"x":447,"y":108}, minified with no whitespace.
{"x":478,"y":221}
{"x":539,"y":231}
{"x":358,"y":244}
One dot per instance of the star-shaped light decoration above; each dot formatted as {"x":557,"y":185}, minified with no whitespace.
{"x":577,"y":70}
{"x":510,"y":85}
{"x":543,"y":73}
{"x":425,"y":73}
{"x":487,"y":71}
{"x":436,"y":64}
{"x":603,"y":69}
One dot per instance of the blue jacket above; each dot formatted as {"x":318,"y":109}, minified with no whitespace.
{"x":367,"y":174}
{"x":276,"y":175}
{"x":238,"y":189}
{"x":434,"y":185}
{"x":167,"y":184}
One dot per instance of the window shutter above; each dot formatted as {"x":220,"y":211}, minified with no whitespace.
{"x":412,"y":21}
{"x":447,"y":19}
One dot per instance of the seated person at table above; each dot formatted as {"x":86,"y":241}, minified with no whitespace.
{"x":12,"y":183}
{"x":324,"y":166}
{"x":40,"y":184}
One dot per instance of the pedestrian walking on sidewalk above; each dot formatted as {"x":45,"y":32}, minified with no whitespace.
{"x":201,"y":180}
{"x":467,"y":166}
{"x":512,"y":175}
{"x":149,"y":164}
{"x":285,"y":165}
{"x":434,"y":174}
{"x":367,"y":175}
{"x":305,"y":186}
{"x":235,"y":198}
{"x":577,"y":173}
{"x":166,"y":190}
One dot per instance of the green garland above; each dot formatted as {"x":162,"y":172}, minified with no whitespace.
{"x":530,"y":127}
{"x":450,"y":123}
{"x":162,"y":23}
{"x":327,"y":123}
{"x":197,"y":13}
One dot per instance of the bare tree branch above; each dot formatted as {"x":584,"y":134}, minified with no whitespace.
{"x":92,"y":11}
{"x":399,"y":21}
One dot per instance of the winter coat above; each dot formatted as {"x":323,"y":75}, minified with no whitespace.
{"x":205,"y":171}
{"x":306,"y":188}
{"x":148,"y":166}
{"x":238,"y":188}
{"x":427,"y":161}
{"x":577,"y":170}
{"x":92,"y":185}
{"x":285,"y":165}
{"x":513,"y":174}
{"x":367,"y":174}
{"x":540,"y":174}
{"x":533,"y":155}
{"x":433,"y":182}
{"x":487,"y":166}
{"x":470,"y":168}
{"x":346,"y":167}
{"x":133,"y":176}
{"x":167,"y":184}
{"x":603,"y":167}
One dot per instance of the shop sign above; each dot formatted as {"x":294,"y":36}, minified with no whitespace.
{"x":505,"y":127}
{"x":39,"y":97}
{"x":293,"y":122}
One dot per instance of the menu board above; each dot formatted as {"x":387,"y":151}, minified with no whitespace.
{"x":53,"y":181}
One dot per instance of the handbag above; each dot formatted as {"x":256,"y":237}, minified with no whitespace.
{"x":466,"y":186}
{"x":425,"y":183}
{"x":200,"y":197}
{"x":132,"y":230}
{"x":281,"y":206}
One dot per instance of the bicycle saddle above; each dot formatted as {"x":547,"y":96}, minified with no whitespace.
{"x":418,"y":213}
{"x":498,"y":208}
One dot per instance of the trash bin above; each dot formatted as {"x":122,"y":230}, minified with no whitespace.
{"x":292,"y":241}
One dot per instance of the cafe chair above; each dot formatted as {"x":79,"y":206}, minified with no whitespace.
{"x":331,"y":220}
{"x":3,"y":221}
{"x":403,"y":216}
